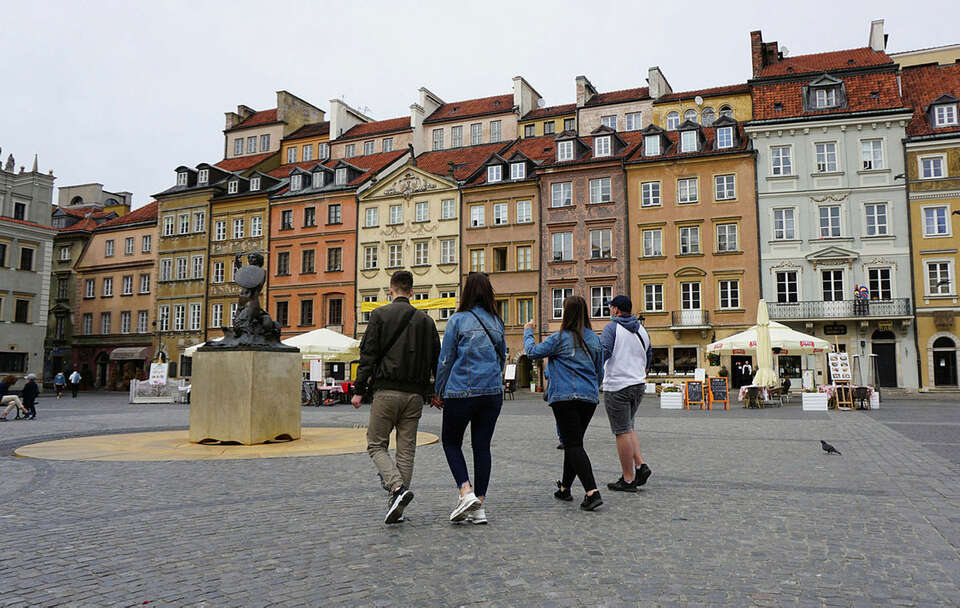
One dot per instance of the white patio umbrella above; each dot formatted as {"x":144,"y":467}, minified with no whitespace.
{"x":192,"y":349}
{"x":325,"y":344}
{"x":765,"y":376}
{"x":789,"y":341}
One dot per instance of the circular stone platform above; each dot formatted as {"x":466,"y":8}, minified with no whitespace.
{"x":174,"y":445}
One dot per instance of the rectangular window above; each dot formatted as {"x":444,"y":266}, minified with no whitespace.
{"x":128,"y":245}
{"x":63,"y":289}
{"x":368,"y":147}
{"x":216,"y":315}
{"x":127,"y":285}
{"x":238,"y":228}
{"x":87,"y":323}
{"x":292,"y":154}
{"x":729,"y":294}
{"x":601,"y":146}
{"x":499,"y":259}
{"x":935,"y":221}
{"x":569,"y":124}
{"x":600,"y":301}
{"x":422,"y":211}
{"x":653,"y":297}
{"x":283,"y":314}
{"x":142,"y":322}
{"x":787,"y":287}
{"x":421,"y":253}
{"x":945,"y":115}
{"x":832,"y":281}
{"x":529,"y":130}
{"x":334,"y":214}
{"x":168,"y":225}
{"x":350,"y":150}
{"x":689,"y":240}
{"x":200,"y":221}
{"x":476,"y":216}
{"x":651,"y":145}
{"x":784,"y":224}
{"x":562,"y":246}
{"x":600,"y":190}
{"x":688,"y":141}
{"x":146,"y":243}
{"x":939,"y":278}
{"x":21,"y":311}
{"x":370,"y":257}
{"x":334,"y":259}
{"x":198,"y":266}
{"x":256,"y":226}
{"x":881,"y":284}
{"x":265,"y":143}
{"x":559,"y":295}
{"x":826,"y":98}
{"x":494,"y":131}
{"x":396,"y":214}
{"x":477,"y":260}
{"x":726,"y":187}
{"x":524,"y":310}
{"x":283,"y":263}
{"x":476,"y":134}
{"x":876,"y":219}
{"x":166,"y":269}
{"x":64,"y":254}
{"x":183,"y":178}
{"x":365,"y":316}
{"x":931,"y":167}
{"x":254,"y":184}
{"x":251,"y":144}
{"x":601,"y":243}
{"x":499,"y":214}
{"x":238,"y":146}
{"x":182,"y":269}
{"x":220,"y":230}
{"x":296,"y":182}
{"x":105,"y":322}
{"x":549,"y":128}
{"x":564,"y":150}
{"x":561,"y":194}
{"x":724,"y":137}
{"x":690,"y":296}
{"x":518,"y":170}
{"x":727,"y":237}
{"x":494,"y":173}
{"x":871,"y":153}
{"x":144,"y":283}
{"x":524,"y":212}
{"x":108,"y":248}
{"x":309,"y":217}
{"x":306,"y":312}
{"x":307,"y":257}
{"x":234,"y":307}
{"x":829,"y":221}
{"x":107,"y":287}
{"x":125,"y":322}
{"x":90,"y":286}
{"x":609,"y":121}
{"x":323,"y":151}
{"x":448,"y":209}
{"x":217,"y":272}
{"x":371,"y":217}
{"x":653,"y":243}
{"x":650,"y":194}
{"x":446,"y":313}
{"x":687,"y":190}
{"x":633,"y":121}
{"x":163,"y":318}
{"x":826,"y":157}
{"x":780,"y":159}
{"x":448,"y":251}
{"x":456,"y":137}
{"x":437,"y":139}
{"x":335,"y":312}
{"x":184,"y":223}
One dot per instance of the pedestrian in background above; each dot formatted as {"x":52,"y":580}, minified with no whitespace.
{"x":576,"y":371}
{"x":75,"y":383}
{"x":29,"y":396}
{"x":398,"y":362}
{"x":8,"y":398}
{"x":626,"y":355}
{"x":59,"y":384}
{"x":470,"y":383}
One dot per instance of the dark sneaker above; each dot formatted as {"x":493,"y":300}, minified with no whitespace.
{"x":643,"y":474}
{"x":395,"y":505}
{"x":591,"y":502}
{"x":559,"y":446}
{"x":623,"y":486}
{"x":562,"y":494}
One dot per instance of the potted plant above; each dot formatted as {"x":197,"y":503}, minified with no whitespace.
{"x":724,"y":372}
{"x":671,"y":398}
{"x":814,"y":400}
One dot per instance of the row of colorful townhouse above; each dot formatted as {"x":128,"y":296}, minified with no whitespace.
{"x":821,"y":175}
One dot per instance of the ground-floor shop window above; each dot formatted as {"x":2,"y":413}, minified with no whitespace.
{"x":789,"y":366}
{"x":660,"y":361}
{"x":684,"y":360}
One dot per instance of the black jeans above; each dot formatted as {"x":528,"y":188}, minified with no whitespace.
{"x":74,"y":387}
{"x":573,"y":418}
{"x":481,"y":414}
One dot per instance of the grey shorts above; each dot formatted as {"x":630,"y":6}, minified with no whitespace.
{"x":622,"y":406}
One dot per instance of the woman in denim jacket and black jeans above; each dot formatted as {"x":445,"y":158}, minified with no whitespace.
{"x":470,"y":383}
{"x":576,"y":372}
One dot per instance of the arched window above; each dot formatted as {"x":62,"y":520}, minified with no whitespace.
{"x":707,"y":116}
{"x":110,"y":202}
{"x":944,"y":342}
{"x":77,"y":200}
{"x":673,"y":121}
{"x":726,"y":111}
{"x":690,"y":115}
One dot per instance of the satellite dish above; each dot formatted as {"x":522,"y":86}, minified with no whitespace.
{"x":541,"y":103}
{"x":698,"y":100}
{"x":785,"y":51}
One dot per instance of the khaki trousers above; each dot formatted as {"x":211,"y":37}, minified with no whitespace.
{"x":394,"y":410}
{"x":11,"y":401}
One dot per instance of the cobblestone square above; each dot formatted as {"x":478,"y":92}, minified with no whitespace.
{"x":743,"y":509}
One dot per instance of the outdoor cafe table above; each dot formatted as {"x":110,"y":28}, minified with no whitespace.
{"x":831,"y":391}
{"x":764,"y":394}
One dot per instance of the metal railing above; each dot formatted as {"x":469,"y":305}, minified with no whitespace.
{"x":842,"y":309}
{"x":690,"y":318}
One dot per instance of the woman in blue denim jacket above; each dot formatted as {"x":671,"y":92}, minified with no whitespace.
{"x":576,"y":372}
{"x":470,"y":383}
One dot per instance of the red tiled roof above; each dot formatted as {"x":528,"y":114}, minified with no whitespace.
{"x":601,"y":99}
{"x":84,"y":225}
{"x":859,"y":89}
{"x":632,"y":140}
{"x":376,"y":127}
{"x":923,"y":84}
{"x":541,"y":150}
{"x":86,"y":212}
{"x":567,"y":108}
{"x":498,"y":104}
{"x":825,"y":62}
{"x":731,"y":89}
{"x":465,"y":160}
{"x":242,"y":163}
{"x":311,"y":130}
{"x":144,"y":214}
{"x":673,"y":151}
{"x":371,"y":163}
{"x":257,"y":118}
{"x":26,"y":223}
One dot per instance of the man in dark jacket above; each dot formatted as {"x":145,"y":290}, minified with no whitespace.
{"x":398,"y":362}
{"x":29,"y":396}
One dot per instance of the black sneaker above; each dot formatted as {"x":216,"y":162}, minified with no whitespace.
{"x":559,"y":446}
{"x":643,"y":474}
{"x":562,"y":493}
{"x":396,"y":503}
{"x":591,"y":502}
{"x":623,"y":486}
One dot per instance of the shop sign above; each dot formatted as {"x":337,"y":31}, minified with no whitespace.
{"x":835,"y":330}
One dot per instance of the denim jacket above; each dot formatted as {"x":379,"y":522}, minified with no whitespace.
{"x":575,"y":375}
{"x":469,"y":365}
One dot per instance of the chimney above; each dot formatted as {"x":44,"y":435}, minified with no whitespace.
{"x":245,"y":112}
{"x":343,"y":117}
{"x":756,"y":51}
{"x":413,"y":154}
{"x":657,"y":83}
{"x":233,"y":119}
{"x":585,"y":91}
{"x":878,"y":40}
{"x":417,"y":115}
{"x":525,"y":97}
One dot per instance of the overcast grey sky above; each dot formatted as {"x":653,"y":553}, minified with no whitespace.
{"x":122,"y":92}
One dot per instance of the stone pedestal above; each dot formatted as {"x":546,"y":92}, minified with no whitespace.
{"x":246,"y":396}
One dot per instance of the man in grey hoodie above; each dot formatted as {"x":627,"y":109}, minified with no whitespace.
{"x":626,"y":354}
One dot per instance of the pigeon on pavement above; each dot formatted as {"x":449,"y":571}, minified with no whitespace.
{"x":829,"y":449}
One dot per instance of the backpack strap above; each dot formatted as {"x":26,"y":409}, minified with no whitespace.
{"x":489,"y":335}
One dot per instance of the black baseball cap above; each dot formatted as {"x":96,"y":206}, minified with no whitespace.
{"x":622,"y":302}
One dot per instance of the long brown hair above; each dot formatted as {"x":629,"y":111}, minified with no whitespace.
{"x":477,"y":291}
{"x":576,"y":318}
{"x":9,"y":380}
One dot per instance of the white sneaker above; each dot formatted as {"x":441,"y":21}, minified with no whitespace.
{"x":467,"y":504}
{"x":478,"y":517}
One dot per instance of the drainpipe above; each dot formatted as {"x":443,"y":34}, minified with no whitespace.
{"x":626,"y":225}
{"x":540,"y":293}
{"x":756,"y":202}
{"x":913,"y":287}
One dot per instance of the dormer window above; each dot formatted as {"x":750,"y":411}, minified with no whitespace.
{"x":601,"y":146}
{"x":564,"y":150}
{"x":182,"y":178}
{"x":318,"y":179}
{"x":945,"y":115}
{"x":673,"y":121}
{"x":688,"y":141}
{"x":724,"y":137}
{"x":254,"y":184}
{"x":518,"y":170}
{"x":341,"y":176}
{"x":494,"y":173}
{"x":203,"y":176}
{"x":296,"y":182}
{"x":825,"y":98}
{"x":651,"y":145}
{"x":232,"y":186}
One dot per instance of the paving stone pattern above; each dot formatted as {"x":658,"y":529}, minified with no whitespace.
{"x":743,"y":509}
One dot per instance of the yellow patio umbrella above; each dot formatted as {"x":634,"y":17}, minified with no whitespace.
{"x":765,"y":375}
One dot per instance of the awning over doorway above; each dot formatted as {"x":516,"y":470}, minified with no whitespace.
{"x":129,"y":353}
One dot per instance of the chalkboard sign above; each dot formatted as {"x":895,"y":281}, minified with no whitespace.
{"x":694,"y":392}
{"x":718,"y":391}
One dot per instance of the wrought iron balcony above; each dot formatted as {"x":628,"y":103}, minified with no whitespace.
{"x":690,"y":319}
{"x":842,"y":309}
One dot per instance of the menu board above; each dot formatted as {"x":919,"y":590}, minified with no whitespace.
{"x":839,"y":366}
{"x":694,"y":391}
{"x":718,"y":389}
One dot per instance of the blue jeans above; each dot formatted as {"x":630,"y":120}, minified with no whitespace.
{"x":481,"y":414}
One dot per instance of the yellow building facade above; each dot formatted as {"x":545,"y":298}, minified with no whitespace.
{"x":703,"y":106}
{"x":548,"y":121}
